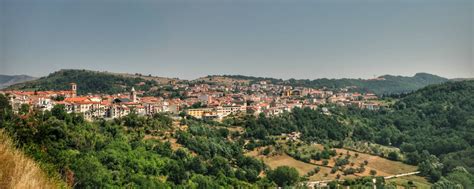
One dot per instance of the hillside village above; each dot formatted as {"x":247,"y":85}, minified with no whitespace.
{"x":200,"y":100}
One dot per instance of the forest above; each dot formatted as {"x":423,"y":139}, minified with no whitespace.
{"x":88,"y":82}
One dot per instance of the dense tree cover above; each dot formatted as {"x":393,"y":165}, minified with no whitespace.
{"x":211,"y":143}
{"x":433,"y":127}
{"x":114,"y":153}
{"x":439,"y":119}
{"x":390,"y":84}
{"x":458,"y":177}
{"x":314,"y":125}
{"x":87,"y":81}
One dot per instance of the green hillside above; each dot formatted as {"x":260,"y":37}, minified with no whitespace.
{"x":433,"y":127}
{"x":87,"y":81}
{"x":106,"y":82}
{"x":389,"y":85}
{"x":7,"y":80}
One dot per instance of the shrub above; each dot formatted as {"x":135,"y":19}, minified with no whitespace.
{"x":373,"y":172}
{"x":325,"y":162}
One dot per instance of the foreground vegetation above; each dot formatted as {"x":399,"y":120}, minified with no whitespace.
{"x":114,"y":153}
{"x":19,"y":171}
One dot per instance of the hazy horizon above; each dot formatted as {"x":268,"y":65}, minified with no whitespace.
{"x":285,"y":39}
{"x":262,"y":76}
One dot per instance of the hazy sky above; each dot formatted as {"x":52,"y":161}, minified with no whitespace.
{"x":282,"y":38}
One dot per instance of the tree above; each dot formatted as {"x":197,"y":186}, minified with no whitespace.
{"x":59,"y":111}
{"x":373,"y":172}
{"x":284,"y":176}
{"x":430,"y":167}
{"x":24,"y":109}
{"x":393,"y":156}
{"x":266,"y":151}
{"x":5,"y":108}
{"x":90,"y":172}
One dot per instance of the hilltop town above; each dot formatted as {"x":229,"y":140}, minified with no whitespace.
{"x":200,"y":100}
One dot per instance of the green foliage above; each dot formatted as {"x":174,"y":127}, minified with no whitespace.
{"x":114,"y":154}
{"x":461,"y":176}
{"x":373,"y":172}
{"x":24,"y":109}
{"x":437,"y":119}
{"x":342,"y":161}
{"x":393,"y":156}
{"x":325,"y":162}
{"x":284,"y":176}
{"x":5,"y":109}
{"x":87,"y":81}
{"x":266,"y":151}
{"x":313,"y":124}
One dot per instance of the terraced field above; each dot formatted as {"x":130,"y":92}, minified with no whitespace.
{"x":382,"y":166}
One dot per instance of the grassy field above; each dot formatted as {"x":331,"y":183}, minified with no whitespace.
{"x":19,"y":171}
{"x":419,"y":182}
{"x":282,"y":160}
{"x":382,"y":166}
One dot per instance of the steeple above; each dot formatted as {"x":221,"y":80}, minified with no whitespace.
{"x":73,"y":89}
{"x":133,"y":95}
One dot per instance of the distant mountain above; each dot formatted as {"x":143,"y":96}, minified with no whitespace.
{"x":462,"y":79}
{"x":386,"y":84}
{"x":92,"y":82}
{"x":7,"y":80}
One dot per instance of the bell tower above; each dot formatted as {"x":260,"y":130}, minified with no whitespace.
{"x":73,"y":89}
{"x":133,"y":95}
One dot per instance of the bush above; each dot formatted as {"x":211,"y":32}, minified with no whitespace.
{"x":373,"y":172}
{"x":340,"y":162}
{"x":325,"y":162}
{"x":349,"y":171}
{"x":393,"y":156}
{"x":266,"y":151}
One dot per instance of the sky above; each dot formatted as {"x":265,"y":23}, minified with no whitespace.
{"x":302,"y":39}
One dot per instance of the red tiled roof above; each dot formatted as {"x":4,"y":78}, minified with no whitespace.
{"x":77,"y":99}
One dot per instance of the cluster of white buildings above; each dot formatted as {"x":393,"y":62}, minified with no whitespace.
{"x":92,"y":106}
{"x":210,"y":101}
